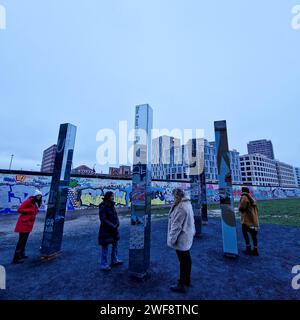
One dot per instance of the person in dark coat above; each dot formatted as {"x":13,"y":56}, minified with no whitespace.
{"x":109,"y":233}
{"x":28,"y":211}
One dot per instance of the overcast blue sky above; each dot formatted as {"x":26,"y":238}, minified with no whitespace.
{"x":90,"y":62}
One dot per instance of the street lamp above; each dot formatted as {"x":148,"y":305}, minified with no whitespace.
{"x":11,"y":159}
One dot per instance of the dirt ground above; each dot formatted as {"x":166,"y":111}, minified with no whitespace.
{"x":76,"y":273}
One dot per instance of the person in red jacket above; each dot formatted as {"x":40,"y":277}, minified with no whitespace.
{"x":28,"y":211}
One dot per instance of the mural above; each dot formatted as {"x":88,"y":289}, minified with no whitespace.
{"x":87,"y":192}
{"x":259,"y":193}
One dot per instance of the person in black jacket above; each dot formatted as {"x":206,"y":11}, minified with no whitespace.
{"x":109,"y":233}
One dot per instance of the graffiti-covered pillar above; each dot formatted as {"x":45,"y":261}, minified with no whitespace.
{"x":140,"y":229}
{"x":56,"y":208}
{"x":195,"y":169}
{"x":204,"y":215}
{"x":225,"y":190}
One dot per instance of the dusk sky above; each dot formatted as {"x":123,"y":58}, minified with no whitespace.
{"x":90,"y":62}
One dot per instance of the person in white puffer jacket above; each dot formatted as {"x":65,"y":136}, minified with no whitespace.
{"x":181,"y":232}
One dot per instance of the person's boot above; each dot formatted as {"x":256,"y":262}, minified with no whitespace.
{"x":180,"y":288}
{"x":17,"y":259}
{"x":248,"y":251}
{"x":254,"y":252}
{"x":104,"y":267}
{"x":116,"y":262}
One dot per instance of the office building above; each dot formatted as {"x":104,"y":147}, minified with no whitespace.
{"x":49,"y":159}
{"x":297,"y":175}
{"x":286,"y":175}
{"x":258,"y":170}
{"x":264,"y":147}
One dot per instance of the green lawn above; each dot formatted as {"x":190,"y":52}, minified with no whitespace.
{"x":283,"y":212}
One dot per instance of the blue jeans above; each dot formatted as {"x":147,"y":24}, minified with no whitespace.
{"x":114,"y":254}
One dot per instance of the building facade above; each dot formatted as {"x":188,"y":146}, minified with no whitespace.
{"x":286,"y":175}
{"x":211,"y":169}
{"x":297,"y":175}
{"x":83,"y":170}
{"x":49,"y":159}
{"x":177,"y":169}
{"x":258,"y":170}
{"x":264,"y":147}
{"x":168,"y":159}
{"x":124,"y":171}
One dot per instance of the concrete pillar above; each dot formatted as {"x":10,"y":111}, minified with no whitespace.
{"x":196,"y":161}
{"x":56,"y":208}
{"x":225,"y":191}
{"x":140,"y":228}
{"x":203,"y":198}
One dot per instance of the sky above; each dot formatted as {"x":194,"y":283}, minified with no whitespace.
{"x":90,"y":62}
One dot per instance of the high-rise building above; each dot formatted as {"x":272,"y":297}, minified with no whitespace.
{"x":211,"y":169}
{"x":168,"y":159}
{"x":49,"y":159}
{"x":297,"y":175}
{"x":259,"y":170}
{"x":264,"y":147}
{"x":286,"y":175}
{"x":178,"y":169}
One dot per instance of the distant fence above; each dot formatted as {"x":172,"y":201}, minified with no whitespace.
{"x":87,"y":192}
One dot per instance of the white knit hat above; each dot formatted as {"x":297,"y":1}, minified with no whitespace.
{"x":37,"y":193}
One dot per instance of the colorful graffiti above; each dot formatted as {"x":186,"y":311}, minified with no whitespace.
{"x":83,"y":192}
{"x":87,"y":192}
{"x":259,"y":193}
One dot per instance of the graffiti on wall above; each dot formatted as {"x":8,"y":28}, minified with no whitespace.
{"x":83,"y":192}
{"x":14,"y":189}
{"x":88,"y":192}
{"x":259,"y":193}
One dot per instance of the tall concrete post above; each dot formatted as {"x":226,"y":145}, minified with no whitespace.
{"x":196,"y":161}
{"x":225,"y":191}
{"x":56,"y":208}
{"x":140,"y":228}
{"x":203,"y":198}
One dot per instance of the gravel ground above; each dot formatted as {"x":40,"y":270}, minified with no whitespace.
{"x":75,"y":274}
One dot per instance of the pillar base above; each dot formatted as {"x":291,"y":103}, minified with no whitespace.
{"x":139,"y":276}
{"x":230,"y":255}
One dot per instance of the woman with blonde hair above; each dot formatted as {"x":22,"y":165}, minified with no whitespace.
{"x":181,"y":232}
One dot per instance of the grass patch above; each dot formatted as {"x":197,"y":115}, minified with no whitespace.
{"x":282,"y":211}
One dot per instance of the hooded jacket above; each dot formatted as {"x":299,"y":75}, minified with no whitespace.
{"x":248,"y":210}
{"x":181,"y":226}
{"x":28,"y":211}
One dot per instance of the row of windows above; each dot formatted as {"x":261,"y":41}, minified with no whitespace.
{"x":255,"y":158}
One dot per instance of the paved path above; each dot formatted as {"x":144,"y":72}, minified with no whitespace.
{"x":75,"y":274}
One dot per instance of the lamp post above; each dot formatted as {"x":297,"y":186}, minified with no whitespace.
{"x":11,"y":159}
